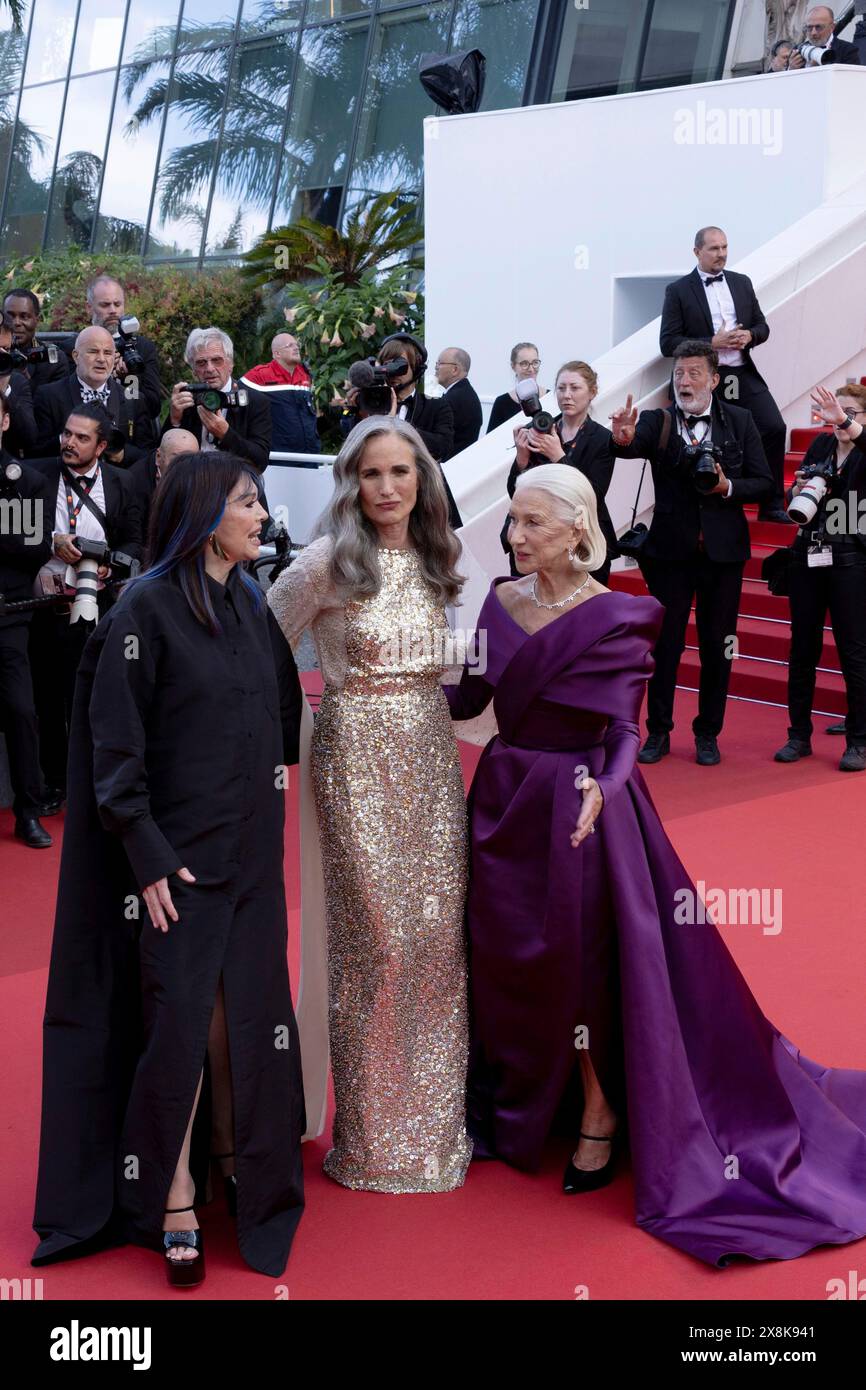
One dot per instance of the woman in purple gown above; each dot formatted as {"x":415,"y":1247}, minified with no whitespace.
{"x":739,"y":1144}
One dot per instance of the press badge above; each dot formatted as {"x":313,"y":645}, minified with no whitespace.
{"x":819,"y":555}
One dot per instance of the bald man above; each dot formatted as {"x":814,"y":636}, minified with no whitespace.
{"x":289,"y":388}
{"x":818,"y":31}
{"x":147,"y":472}
{"x":452,"y":373}
{"x":92,"y":381}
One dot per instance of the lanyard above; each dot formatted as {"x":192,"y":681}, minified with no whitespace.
{"x":73,"y":508}
{"x":693,"y":439}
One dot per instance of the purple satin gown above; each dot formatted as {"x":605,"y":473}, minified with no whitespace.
{"x":562,"y":937}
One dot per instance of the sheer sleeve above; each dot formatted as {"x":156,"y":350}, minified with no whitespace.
{"x":621,"y":742}
{"x":470,"y":696}
{"x":302,"y":590}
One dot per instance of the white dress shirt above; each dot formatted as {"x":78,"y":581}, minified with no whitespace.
{"x":86,"y":525}
{"x":724,"y":315}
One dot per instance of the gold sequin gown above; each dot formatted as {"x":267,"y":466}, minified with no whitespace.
{"x":392,"y":823}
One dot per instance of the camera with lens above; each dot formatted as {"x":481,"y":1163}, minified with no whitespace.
{"x":10,"y":475}
{"x":818,"y":477}
{"x":211,"y":399}
{"x":809,"y":52}
{"x":99,"y":551}
{"x":374,"y":391}
{"x":701,"y":459}
{"x":15,"y":359}
{"x":126,"y":342}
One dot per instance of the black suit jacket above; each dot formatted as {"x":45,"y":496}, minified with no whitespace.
{"x":249,"y":428}
{"x":432,"y":417}
{"x":682,"y":514}
{"x":142,"y":479}
{"x":122,"y":504}
{"x":150,"y":387}
{"x":841,"y":51}
{"x":55,"y":403}
{"x":590,"y":453}
{"x":20,"y":438}
{"x":686,"y":314}
{"x":466,"y":410}
{"x":20,"y":560}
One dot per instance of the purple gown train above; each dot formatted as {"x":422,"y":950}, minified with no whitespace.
{"x":562,"y":937}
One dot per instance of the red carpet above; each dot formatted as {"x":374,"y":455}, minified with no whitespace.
{"x":747,"y":823}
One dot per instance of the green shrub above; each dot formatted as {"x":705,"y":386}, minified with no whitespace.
{"x":168,"y":300}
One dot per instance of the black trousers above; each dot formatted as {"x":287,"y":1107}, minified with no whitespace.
{"x":56,"y":646}
{"x":742,"y":386}
{"x":18,"y":719}
{"x":715,"y":587}
{"x":841,"y":588}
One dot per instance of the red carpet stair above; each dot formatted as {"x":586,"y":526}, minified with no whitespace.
{"x":760,"y":672}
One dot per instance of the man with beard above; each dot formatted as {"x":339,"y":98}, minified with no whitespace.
{"x":698,"y":543}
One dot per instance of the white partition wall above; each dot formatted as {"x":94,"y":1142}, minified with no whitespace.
{"x":559,"y":223}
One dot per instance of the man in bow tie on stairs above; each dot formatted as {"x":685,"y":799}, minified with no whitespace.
{"x":707,"y":460}
{"x":720,"y":306}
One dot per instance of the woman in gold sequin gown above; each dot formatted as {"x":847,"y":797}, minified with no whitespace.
{"x":390,"y":808}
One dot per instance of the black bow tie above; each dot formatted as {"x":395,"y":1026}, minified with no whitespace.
{"x":692,"y":420}
{"x":711,"y":279}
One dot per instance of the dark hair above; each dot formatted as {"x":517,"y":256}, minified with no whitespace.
{"x":780,"y":43}
{"x":24,"y":294}
{"x":397,"y":348}
{"x":698,"y":347}
{"x":188,"y":506}
{"x":93,"y":411}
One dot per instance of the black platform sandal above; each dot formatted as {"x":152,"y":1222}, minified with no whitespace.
{"x":230,"y":1186}
{"x":184,"y":1273}
{"x":590,"y":1179}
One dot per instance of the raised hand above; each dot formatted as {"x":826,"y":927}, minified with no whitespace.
{"x":623,"y":422}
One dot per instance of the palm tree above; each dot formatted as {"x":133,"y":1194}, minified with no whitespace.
{"x":17,"y":12}
{"x":377,"y":232}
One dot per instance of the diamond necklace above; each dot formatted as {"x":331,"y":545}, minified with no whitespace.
{"x":563,"y":601}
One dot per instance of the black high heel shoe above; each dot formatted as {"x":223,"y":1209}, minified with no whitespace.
{"x":590,"y":1179}
{"x":230,"y":1186}
{"x":184,"y":1273}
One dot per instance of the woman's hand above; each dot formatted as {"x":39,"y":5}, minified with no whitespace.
{"x":799,"y":480}
{"x":157,"y":899}
{"x":623,"y":423}
{"x":593,"y":801}
{"x":521,"y":443}
{"x":550,"y":445}
{"x":394,"y":402}
{"x":828,"y":407}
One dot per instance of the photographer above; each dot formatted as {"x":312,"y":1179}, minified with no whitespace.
{"x":827,"y":571}
{"x":389,"y":389}
{"x":576,"y":439}
{"x":21,"y":311}
{"x":95,"y":501}
{"x":25,"y":545}
{"x":820,"y":45}
{"x":135,"y":357}
{"x":707,"y":460}
{"x":20,"y":436}
{"x":241,"y":423}
{"x":133,"y":434}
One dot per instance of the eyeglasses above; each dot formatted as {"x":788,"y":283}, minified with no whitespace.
{"x":535,"y":363}
{"x":443,"y":363}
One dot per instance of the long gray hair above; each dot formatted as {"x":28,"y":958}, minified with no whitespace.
{"x":355,"y":558}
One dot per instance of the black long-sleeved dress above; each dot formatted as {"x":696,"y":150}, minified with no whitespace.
{"x":178,"y":745}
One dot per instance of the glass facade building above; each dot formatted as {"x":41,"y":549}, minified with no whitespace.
{"x":183,"y":129}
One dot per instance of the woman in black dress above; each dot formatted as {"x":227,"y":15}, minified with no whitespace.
{"x":525,"y":363}
{"x":169,"y":1030}
{"x":576,"y":439}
